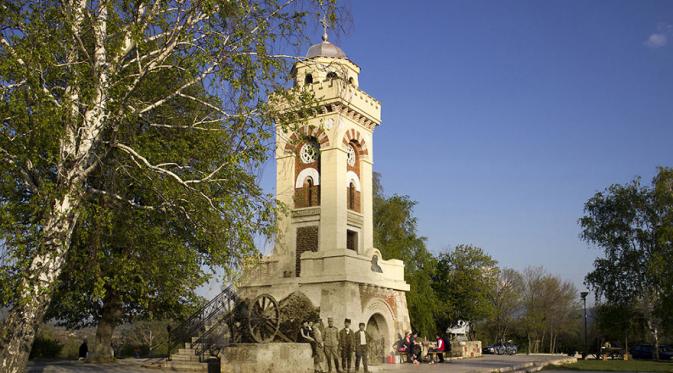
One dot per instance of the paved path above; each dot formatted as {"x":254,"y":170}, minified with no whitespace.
{"x":73,"y":366}
{"x":485,"y":364}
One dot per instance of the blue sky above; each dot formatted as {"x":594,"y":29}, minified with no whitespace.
{"x":501,"y":118}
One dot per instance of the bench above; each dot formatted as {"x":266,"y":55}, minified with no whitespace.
{"x":434,"y":355}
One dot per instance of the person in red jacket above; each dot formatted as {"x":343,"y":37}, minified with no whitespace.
{"x":440,"y":348}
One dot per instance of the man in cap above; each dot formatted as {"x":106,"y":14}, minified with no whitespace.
{"x":331,"y":338}
{"x":362,"y":341}
{"x":346,"y":344}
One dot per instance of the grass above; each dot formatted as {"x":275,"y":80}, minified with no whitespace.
{"x":619,"y":366}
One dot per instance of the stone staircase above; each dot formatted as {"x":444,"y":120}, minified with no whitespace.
{"x":186,"y":359}
{"x":199,"y":333}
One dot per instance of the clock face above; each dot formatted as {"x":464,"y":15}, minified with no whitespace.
{"x":309,"y":152}
{"x":351,"y":155}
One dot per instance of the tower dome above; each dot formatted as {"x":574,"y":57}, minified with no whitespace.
{"x":325,"y":49}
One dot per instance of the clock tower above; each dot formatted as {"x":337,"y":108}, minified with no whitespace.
{"x":324,"y":247}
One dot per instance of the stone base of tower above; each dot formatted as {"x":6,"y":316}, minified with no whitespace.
{"x":267,"y":358}
{"x":345,"y":285}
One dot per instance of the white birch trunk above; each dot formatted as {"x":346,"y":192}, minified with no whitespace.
{"x":35,"y":290}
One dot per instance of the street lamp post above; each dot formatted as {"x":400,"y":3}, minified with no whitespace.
{"x":584,"y":300}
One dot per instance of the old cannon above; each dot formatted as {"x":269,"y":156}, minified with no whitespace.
{"x":256,"y":320}
{"x":228,"y":319}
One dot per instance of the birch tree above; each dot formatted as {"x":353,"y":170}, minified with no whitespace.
{"x":144,"y":263}
{"x":75,"y":74}
{"x":633,"y":225}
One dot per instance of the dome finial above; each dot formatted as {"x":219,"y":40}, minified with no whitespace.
{"x":325,"y":48}
{"x":323,"y":20}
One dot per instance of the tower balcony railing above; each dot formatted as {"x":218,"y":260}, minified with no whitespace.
{"x":337,"y":89}
{"x":348,"y":265}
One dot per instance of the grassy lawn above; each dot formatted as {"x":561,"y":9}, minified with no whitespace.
{"x":619,"y":366}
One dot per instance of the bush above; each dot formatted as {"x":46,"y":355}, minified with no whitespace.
{"x":294,"y":309}
{"x":45,"y":348}
{"x":70,"y":349}
{"x":128,"y":350}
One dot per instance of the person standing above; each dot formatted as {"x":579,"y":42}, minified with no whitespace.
{"x":319,"y":347}
{"x":83,"y":350}
{"x":362,"y":342}
{"x":332,"y":345}
{"x":346,"y":344}
{"x":440,"y":348}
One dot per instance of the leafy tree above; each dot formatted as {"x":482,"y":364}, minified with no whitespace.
{"x":150,"y":336}
{"x":620,"y":322}
{"x":633,"y":225}
{"x":506,"y":302}
{"x":396,"y":237}
{"x":143,"y":263}
{"x":550,"y":310}
{"x":78,"y":79}
{"x":561,"y":311}
{"x":464,"y":281}
{"x":532,"y":321}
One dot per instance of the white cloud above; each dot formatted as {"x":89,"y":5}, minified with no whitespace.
{"x":656,"y":40}
{"x":660,"y":38}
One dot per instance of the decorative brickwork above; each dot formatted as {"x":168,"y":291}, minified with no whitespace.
{"x":309,"y":193}
{"x":353,"y":189}
{"x":302,"y":134}
{"x":307,"y":196}
{"x":353,"y":136}
{"x":307,"y":240}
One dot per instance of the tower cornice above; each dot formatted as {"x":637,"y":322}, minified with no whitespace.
{"x":341,"y":98}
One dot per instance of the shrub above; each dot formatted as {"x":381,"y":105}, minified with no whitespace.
{"x":44,"y":347}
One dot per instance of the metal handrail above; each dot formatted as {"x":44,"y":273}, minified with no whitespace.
{"x":195,"y":325}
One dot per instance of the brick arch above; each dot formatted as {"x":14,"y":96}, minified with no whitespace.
{"x":354,"y":136}
{"x":298,"y":136}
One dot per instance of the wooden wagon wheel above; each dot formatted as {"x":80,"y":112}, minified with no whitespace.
{"x":263,"y":318}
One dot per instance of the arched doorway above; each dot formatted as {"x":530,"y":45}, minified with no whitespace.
{"x":378,"y":330}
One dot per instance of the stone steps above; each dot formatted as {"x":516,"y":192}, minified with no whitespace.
{"x":189,"y":366}
{"x":178,"y":357}
{"x":186,"y":359}
{"x":186,"y":351}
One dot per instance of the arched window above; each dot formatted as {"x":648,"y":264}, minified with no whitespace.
{"x":332,"y":75}
{"x":351,"y":155}
{"x":351,"y":196}
{"x":308,"y":79}
{"x":308,"y":185}
{"x":351,"y":81}
{"x":309,"y":152}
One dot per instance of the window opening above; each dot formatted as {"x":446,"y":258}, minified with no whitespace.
{"x":352,"y":240}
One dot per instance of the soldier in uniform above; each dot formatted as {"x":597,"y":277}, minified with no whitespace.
{"x":346,"y":344}
{"x":362,"y":340}
{"x":332,"y":345}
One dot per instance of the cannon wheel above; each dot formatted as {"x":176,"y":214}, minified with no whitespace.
{"x":263,"y":318}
